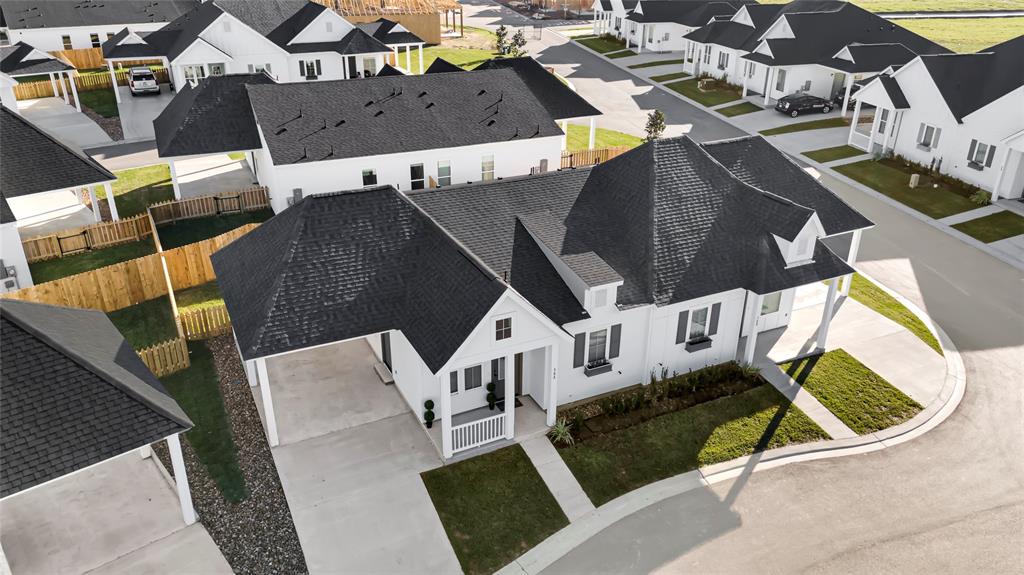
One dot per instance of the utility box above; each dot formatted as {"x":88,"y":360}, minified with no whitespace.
{"x":915,"y":179}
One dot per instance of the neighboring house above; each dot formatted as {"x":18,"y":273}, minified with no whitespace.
{"x":421,"y":17}
{"x":961,"y":114}
{"x":22,"y":61}
{"x":819,"y":47}
{"x":558,"y":286}
{"x":609,"y":16}
{"x":660,"y":25}
{"x":60,"y":25}
{"x":77,"y":395}
{"x":293,"y":40}
{"x":716,"y":48}
{"x":40,"y":182}
{"x":410,"y":132}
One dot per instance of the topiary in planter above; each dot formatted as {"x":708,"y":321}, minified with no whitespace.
{"x":428,"y":415}
{"x":491,"y":400}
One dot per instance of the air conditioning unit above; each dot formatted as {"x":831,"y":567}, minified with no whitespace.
{"x":8,"y":277}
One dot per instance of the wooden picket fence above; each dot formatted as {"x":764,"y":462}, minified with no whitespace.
{"x":83,"y":83}
{"x":166,"y":357}
{"x":578,"y":158}
{"x":205,"y":323}
{"x":189,"y":265}
{"x":91,"y":237}
{"x":245,"y":200}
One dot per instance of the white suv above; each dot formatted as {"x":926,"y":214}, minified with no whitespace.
{"x":142,"y":81}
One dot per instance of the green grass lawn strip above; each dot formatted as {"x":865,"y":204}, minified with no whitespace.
{"x":138,"y":188}
{"x":804,"y":126}
{"x":50,"y":270}
{"x":622,"y":54}
{"x":197,"y":391}
{"x":656,"y":63}
{"x":494,"y":507}
{"x":877,"y":299}
{"x":202,"y":296}
{"x":615,"y":463}
{"x":669,"y":77}
{"x":602,"y":45}
{"x":826,"y":155}
{"x":579,"y":137}
{"x":892,"y":181}
{"x":710,"y":98}
{"x":993,"y":227}
{"x":739,"y":109}
{"x":100,"y":101}
{"x":146,"y":324}
{"x":859,"y":397}
{"x":184,"y":232}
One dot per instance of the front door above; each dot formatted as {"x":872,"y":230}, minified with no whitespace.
{"x":519,"y":374}
{"x":385,"y":349}
{"x":351,"y":66}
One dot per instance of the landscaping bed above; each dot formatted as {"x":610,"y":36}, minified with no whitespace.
{"x":826,"y":155}
{"x":993,"y":227}
{"x":658,"y":63}
{"x":184,"y":232}
{"x":935,"y":196}
{"x":494,"y":507}
{"x":603,"y":44}
{"x":739,"y":109}
{"x":669,"y":77}
{"x":859,"y":397}
{"x":804,"y":126}
{"x":147,"y":323}
{"x":579,"y":136}
{"x":720,"y":93}
{"x":49,"y":270}
{"x":138,"y":188}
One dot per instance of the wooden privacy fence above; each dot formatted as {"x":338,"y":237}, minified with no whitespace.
{"x":95,"y":236}
{"x":190,"y":265}
{"x":167,"y":357}
{"x":245,"y":200}
{"x":205,"y":323}
{"x":83,"y":83}
{"x":577,"y":158}
{"x":82,"y":58}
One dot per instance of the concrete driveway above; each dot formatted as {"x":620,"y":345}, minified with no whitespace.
{"x":138,"y":112}
{"x":212,"y":174}
{"x":63,"y":122}
{"x":121,"y":516}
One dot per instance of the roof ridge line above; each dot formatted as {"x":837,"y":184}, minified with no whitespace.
{"x":80,"y":155}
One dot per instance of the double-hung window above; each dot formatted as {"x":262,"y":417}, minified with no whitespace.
{"x":453,"y":382}
{"x":94,"y":39}
{"x":487,"y":168}
{"x":110,"y":35}
{"x":696,"y":326}
{"x":883,"y":120}
{"x":416,"y":176}
{"x":256,"y":68}
{"x":597,"y":347}
{"x":474,"y":377}
{"x":928,"y":136}
{"x":502,"y":328}
{"x":596,"y":350}
{"x":370,"y":177}
{"x":780,"y":81}
{"x":66,"y":41}
{"x":707,"y":53}
{"x":980,"y":155}
{"x":310,"y":69}
{"x":751,"y":67}
{"x":723,"y":60}
{"x":444,"y":173}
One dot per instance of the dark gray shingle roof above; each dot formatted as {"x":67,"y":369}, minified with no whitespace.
{"x":969,"y":82}
{"x":686,"y":12}
{"x":24,"y":148}
{"x":74,"y":394}
{"x":14,"y":61}
{"x":27,"y":14}
{"x":558,"y":99}
{"x":277,"y":20}
{"x":441,"y":66}
{"x":383,"y":29}
{"x":343,"y":265}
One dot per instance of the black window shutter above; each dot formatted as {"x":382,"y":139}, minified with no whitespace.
{"x":935,"y":138}
{"x":579,"y":349}
{"x":302,"y":68}
{"x":318,"y":71}
{"x":613,"y":346}
{"x":991,"y":156}
{"x":681,"y":326}
{"x":715,"y":311}
{"x":453,"y":379}
{"x":494,"y":371}
{"x":970,"y":153}
{"x":920,"y":133}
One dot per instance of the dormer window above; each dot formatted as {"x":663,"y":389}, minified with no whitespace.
{"x":502,"y":328}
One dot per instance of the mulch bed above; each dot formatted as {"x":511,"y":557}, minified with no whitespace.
{"x":256,"y":535}
{"x":112,"y":126}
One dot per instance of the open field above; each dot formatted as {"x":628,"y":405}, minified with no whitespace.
{"x":967,"y":34}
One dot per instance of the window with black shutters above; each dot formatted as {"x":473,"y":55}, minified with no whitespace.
{"x":453,"y":382}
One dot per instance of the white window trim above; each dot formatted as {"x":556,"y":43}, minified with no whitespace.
{"x":689,"y":323}
{"x":764,"y":300}
{"x":494,"y":327}
{"x":449,"y":176}
{"x":926,"y":139}
{"x":980,"y":150}
{"x":607,"y":342}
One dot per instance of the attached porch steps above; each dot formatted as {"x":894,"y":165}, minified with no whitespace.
{"x":383,"y":373}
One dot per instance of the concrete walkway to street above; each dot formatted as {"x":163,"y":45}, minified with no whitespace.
{"x":63,"y":122}
{"x":805,"y":401}
{"x":556,"y":475}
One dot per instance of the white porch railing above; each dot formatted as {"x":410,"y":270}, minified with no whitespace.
{"x":479,"y":432}
{"x":860,"y":140}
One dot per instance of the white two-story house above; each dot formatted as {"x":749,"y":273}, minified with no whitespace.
{"x":960,"y":114}
{"x":553,"y":287}
{"x":661,"y":25}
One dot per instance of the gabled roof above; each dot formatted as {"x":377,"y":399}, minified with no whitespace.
{"x":389,"y":70}
{"x":116,"y":47}
{"x":25,"y":149}
{"x":893,"y":90}
{"x":558,"y":99}
{"x":354,"y":42}
{"x":17,"y":60}
{"x":384,"y":30}
{"x":441,"y":66}
{"x":175,"y":37}
{"x":29,"y":14}
{"x":686,"y":12}
{"x":969,"y":82}
{"x":344,"y":265}
{"x":277,"y":20}
{"x":213,"y":116}
{"x":313,"y":121}
{"x":74,"y":394}
{"x":756,"y":162}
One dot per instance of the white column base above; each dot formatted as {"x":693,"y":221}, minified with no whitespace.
{"x":751,"y":342}
{"x":826,"y":314}
{"x":510,"y":396}
{"x":268,"y":402}
{"x":188,"y":513}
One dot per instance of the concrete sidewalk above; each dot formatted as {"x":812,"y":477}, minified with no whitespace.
{"x":556,"y":475}
{"x":805,"y":401}
{"x":64,"y":122}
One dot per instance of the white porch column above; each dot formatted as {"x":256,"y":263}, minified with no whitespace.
{"x":851,"y":258}
{"x":552,"y":366}
{"x":594,"y":26}
{"x":593,"y":132}
{"x":565,"y":132}
{"x":174,"y":180}
{"x":110,"y":201}
{"x":113,"y":81}
{"x":250,"y":370}
{"x":510,"y":396}
{"x":64,"y":87}
{"x":421,"y":59}
{"x":394,"y":52}
{"x":408,"y":59}
{"x":751,"y":343}
{"x":643,"y":35}
{"x":745,"y":84}
{"x":890,"y":129}
{"x":772,"y":71}
{"x":826,"y":314}
{"x":96,"y":216}
{"x":446,"y":415}
{"x":74,"y":92}
{"x":874,"y":130}
{"x":1002,"y":172}
{"x":846,"y":98}
{"x":344,"y":68}
{"x":53,"y":85}
{"x":188,"y":512}
{"x":268,"y":402}
{"x":853,"y":122}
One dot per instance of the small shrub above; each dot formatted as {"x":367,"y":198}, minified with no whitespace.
{"x":981,"y":197}
{"x":561,"y":433}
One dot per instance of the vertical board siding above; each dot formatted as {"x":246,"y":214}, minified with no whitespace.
{"x":166,"y":357}
{"x":578,"y":158}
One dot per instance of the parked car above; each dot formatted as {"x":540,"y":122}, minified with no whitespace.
{"x":837,"y":102}
{"x":142,"y":81}
{"x":796,"y":104}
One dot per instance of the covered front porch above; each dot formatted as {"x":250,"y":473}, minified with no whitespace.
{"x":477,"y":424}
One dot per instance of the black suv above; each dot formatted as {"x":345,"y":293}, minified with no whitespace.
{"x":796,"y":104}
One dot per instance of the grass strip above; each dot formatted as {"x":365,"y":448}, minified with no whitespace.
{"x":993,"y":227}
{"x":739,"y":109}
{"x":826,"y":155}
{"x":804,"y":126}
{"x":656,"y":63}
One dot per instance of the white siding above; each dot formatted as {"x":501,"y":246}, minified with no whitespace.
{"x":49,"y":39}
{"x":13,"y":254}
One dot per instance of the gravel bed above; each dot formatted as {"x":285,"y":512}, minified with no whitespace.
{"x":112,"y":126}
{"x":257,"y":535}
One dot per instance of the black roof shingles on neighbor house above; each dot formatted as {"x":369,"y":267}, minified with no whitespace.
{"x":558,"y":99}
{"x":667,"y":219}
{"x":74,"y":394}
{"x":16,"y":60}
{"x":686,"y":12}
{"x":969,"y":82}
{"x":32,"y":14}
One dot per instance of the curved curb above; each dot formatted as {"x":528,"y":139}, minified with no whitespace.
{"x":561,"y":543}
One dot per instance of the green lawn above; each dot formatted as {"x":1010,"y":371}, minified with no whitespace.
{"x":859,"y":397}
{"x":237,"y":156}
{"x":615,"y":463}
{"x":966,"y":34}
{"x":494,"y":507}
{"x":603,"y":45}
{"x":100,"y":101}
{"x":138,"y":188}
{"x":877,"y":299}
{"x":621,"y":54}
{"x":993,"y":227}
{"x":579,"y":137}
{"x":892,"y":179}
{"x":199,"y":297}
{"x":710,"y":98}
{"x":831,"y":154}
{"x":804,"y":126}
{"x":468,"y":52}
{"x":145,"y":324}
{"x":197,"y":391}
{"x":739,"y":109}
{"x":184,"y":232}
{"x":669,"y":77}
{"x":926,"y":5}
{"x":50,"y":270}
{"x":657,"y":63}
